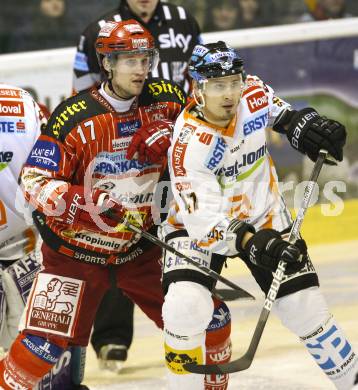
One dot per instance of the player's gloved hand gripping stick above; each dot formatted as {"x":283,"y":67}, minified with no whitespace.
{"x":135,"y":229}
{"x":244,"y":362}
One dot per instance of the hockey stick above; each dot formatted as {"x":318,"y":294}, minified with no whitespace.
{"x":244,"y":362}
{"x":164,"y":245}
{"x":225,"y":294}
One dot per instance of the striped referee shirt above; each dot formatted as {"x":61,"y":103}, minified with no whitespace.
{"x":175,"y":31}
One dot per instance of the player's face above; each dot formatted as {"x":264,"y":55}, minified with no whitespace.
{"x":53,"y":8}
{"x":224,"y":16}
{"x":129,"y":74}
{"x":222,"y":96}
{"x":143,"y":8}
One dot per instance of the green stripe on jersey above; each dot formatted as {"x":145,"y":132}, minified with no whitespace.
{"x":246,"y":174}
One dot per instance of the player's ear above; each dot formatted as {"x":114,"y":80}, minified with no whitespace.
{"x":198,"y":94}
{"x":106,"y":64}
{"x":196,"y":87}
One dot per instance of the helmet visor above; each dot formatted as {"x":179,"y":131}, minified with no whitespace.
{"x":129,"y":61}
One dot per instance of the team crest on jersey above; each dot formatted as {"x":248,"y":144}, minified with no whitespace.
{"x":54,"y":304}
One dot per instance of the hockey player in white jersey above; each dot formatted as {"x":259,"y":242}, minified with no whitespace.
{"x":227,"y":203}
{"x":20,"y":122}
{"x":21,"y":119}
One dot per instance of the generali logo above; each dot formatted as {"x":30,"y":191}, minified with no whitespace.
{"x":11,"y":108}
{"x":54,"y":304}
{"x":257,"y":101}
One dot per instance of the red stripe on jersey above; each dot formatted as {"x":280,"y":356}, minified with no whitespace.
{"x":251,"y":89}
{"x":66,"y":251}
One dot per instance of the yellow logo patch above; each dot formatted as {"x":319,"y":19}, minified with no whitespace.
{"x":66,"y":114}
{"x":157,"y":89}
{"x":135,"y":218}
{"x":175,"y":359}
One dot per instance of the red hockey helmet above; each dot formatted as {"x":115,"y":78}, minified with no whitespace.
{"x":126,"y":37}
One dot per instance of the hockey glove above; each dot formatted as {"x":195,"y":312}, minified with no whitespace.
{"x":84,"y":210}
{"x":266,"y":248}
{"x":151,"y":141}
{"x":309,"y":132}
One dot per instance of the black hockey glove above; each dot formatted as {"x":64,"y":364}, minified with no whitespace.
{"x":266,"y":248}
{"x":309,"y":132}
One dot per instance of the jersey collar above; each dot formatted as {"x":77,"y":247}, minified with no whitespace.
{"x":225,"y":131}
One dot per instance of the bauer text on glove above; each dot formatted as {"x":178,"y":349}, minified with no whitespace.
{"x":266,"y":248}
{"x":89,"y":209}
{"x":309,"y":132}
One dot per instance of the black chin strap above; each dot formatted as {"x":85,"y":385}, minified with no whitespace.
{"x":110,"y":86}
{"x":199,"y":114}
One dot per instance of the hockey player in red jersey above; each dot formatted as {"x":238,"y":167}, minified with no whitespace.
{"x":84,"y":159}
{"x":20,"y":257}
{"x":104,"y":149}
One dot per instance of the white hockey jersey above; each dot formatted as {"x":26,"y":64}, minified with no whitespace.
{"x":20,"y":122}
{"x":218,"y":174}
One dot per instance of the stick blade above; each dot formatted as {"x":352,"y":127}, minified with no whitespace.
{"x":237,"y":365}
{"x":232,"y":295}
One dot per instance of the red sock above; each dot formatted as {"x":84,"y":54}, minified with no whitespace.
{"x":218,"y":345}
{"x":28,"y":360}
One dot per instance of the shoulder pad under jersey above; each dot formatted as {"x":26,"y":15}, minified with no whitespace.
{"x":161,"y":90}
{"x":71,"y":112}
